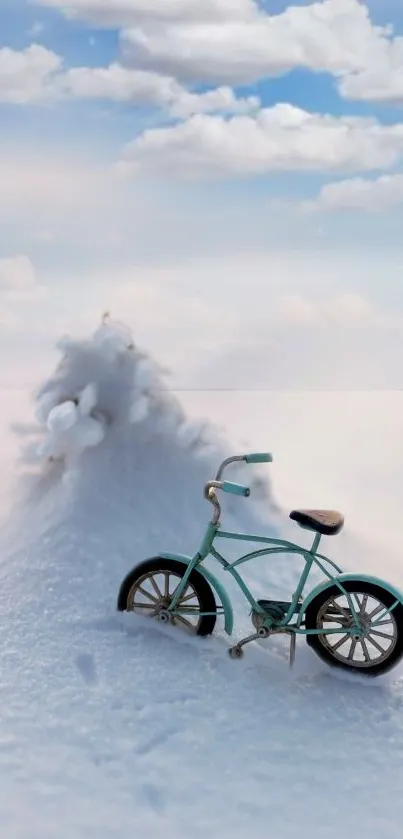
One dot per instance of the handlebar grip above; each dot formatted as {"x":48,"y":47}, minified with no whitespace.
{"x":259,"y":457}
{"x":235,"y":489}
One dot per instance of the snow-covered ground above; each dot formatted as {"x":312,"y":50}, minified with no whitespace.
{"x":110,"y":726}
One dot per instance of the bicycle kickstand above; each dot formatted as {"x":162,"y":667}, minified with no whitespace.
{"x":292,"y":648}
{"x":237,"y":651}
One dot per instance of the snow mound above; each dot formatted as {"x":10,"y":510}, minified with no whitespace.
{"x":111,"y":725}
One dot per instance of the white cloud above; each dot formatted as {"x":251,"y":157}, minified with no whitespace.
{"x":160,"y":306}
{"x":221,"y":99}
{"x":173,"y":323}
{"x":36,"y":29}
{"x":370,"y":196}
{"x":27,"y":76}
{"x":307,"y":342}
{"x":347,"y":309}
{"x":294,"y":309}
{"x":352,"y":310}
{"x":116,"y":82}
{"x":37,"y":180}
{"x":9,"y":322}
{"x":18,"y":280}
{"x":279,"y":138}
{"x":380,"y":81}
{"x":35,"y":75}
{"x":16,"y":273}
{"x":222,"y":42}
{"x":127,"y":12}
{"x":336,"y":36}
{"x":143,"y":87}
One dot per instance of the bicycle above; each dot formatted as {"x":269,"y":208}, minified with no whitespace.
{"x":354,"y":622}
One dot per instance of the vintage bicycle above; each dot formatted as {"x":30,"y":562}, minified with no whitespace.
{"x":351,"y":621}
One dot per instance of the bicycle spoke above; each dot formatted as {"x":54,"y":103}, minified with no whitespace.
{"x":147,"y":594}
{"x":381,"y":634}
{"x":387,"y":622}
{"x":363,"y":606}
{"x":190,"y":596}
{"x":376,"y":611}
{"x":328,"y":618}
{"x":341,"y":610}
{"x":145,"y":606}
{"x":339,"y":643}
{"x":155,"y":587}
{"x":184,"y":621}
{"x":365,"y":650}
{"x":176,"y":589}
{"x":376,"y":645}
{"x":352,"y":649}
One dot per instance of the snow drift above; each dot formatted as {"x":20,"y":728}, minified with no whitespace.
{"x":110,"y":724}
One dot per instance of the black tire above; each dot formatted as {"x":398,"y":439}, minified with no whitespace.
{"x":321,"y":646}
{"x":199,"y":584}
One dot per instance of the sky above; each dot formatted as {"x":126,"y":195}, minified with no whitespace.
{"x":224,"y":175}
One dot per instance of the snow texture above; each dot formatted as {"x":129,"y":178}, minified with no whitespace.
{"x":114,"y":726}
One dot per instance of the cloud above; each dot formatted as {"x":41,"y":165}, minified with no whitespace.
{"x":280,"y":138}
{"x":379,"y":79}
{"x":382,"y":83}
{"x":369,"y":196}
{"x":335,"y":36}
{"x":18,"y":286}
{"x":228,"y":42}
{"x":48,"y":198}
{"x":27,"y":76}
{"x":18,"y":280}
{"x":35,"y":75}
{"x":36,"y":29}
{"x":348,"y":309}
{"x":143,"y":87}
{"x":38,"y":179}
{"x":16,"y":273}
{"x":9,"y":322}
{"x":177,"y":325}
{"x":126,"y":12}
{"x":341,"y":341}
{"x":159,"y":305}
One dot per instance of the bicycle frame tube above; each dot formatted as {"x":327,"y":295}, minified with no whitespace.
{"x":273,"y":547}
{"x":203,"y":553}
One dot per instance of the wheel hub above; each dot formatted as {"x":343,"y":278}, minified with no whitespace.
{"x":364,"y":628}
{"x":162,"y":610}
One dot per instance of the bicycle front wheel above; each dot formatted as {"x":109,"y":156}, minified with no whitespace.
{"x":149,"y":588}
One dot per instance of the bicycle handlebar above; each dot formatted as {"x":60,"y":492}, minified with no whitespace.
{"x":253,"y":457}
{"x":236,"y":489}
{"x":258,"y":457}
{"x":227,"y":486}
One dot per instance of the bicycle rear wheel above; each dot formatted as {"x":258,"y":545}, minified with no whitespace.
{"x":379,"y":645}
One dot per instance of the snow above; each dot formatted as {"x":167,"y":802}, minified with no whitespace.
{"x":111,"y":725}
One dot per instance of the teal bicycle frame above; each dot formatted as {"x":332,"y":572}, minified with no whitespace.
{"x":297,"y":606}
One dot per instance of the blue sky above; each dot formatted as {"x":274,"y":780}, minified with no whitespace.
{"x":81,"y":43}
{"x":118,"y":186}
